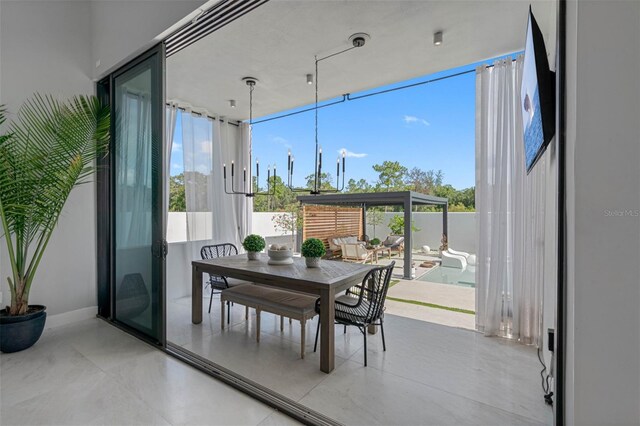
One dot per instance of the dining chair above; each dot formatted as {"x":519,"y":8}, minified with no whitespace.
{"x":218,"y":282}
{"x":363,"y":305}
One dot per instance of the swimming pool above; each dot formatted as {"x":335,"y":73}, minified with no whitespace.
{"x":445,"y":275}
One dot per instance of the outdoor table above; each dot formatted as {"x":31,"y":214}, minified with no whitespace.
{"x":326,"y":281}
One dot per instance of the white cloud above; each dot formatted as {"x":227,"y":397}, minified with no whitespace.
{"x":176,"y":147}
{"x":281,"y":141}
{"x":175,"y":166}
{"x":413,"y":119}
{"x":351,"y":154}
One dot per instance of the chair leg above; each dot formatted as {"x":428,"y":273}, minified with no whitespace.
{"x":365,"y":347}
{"x":384,"y":345}
{"x":345,"y":329}
{"x":210,"y":300}
{"x":246,"y":312}
{"x":228,"y":313}
{"x":258,"y":325}
{"x":315,"y":345}
{"x":222,"y":313}
{"x":303,"y":337}
{"x":281,"y":323}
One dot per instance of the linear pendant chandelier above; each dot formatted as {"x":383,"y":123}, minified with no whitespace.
{"x":357,"y":40}
{"x":247,"y":189}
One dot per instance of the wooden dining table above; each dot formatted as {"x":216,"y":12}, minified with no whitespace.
{"x":330,"y":278}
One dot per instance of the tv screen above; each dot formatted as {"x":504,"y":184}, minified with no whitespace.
{"x":537,"y":95}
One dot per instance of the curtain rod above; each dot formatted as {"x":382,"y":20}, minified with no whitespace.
{"x":199,"y":114}
{"x":348,"y":97}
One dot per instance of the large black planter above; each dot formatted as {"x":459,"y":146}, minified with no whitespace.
{"x":22,"y":331}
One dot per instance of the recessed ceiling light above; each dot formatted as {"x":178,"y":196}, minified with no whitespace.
{"x":232,"y":103}
{"x":437,"y":38}
{"x":309,"y":78}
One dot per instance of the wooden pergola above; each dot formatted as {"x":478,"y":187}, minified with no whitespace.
{"x":407,"y":199}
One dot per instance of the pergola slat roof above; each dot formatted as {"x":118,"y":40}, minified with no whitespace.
{"x":407,"y":199}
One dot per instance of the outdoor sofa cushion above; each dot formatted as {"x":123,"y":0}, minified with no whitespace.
{"x":335,"y":242}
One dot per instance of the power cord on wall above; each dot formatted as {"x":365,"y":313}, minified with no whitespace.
{"x":548,"y":396}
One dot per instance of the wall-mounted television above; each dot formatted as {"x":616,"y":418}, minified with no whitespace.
{"x":538,"y":96}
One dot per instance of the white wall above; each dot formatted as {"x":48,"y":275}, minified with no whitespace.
{"x":51,"y":47}
{"x":462,"y":230}
{"x":603,"y":144}
{"x":45,"y":47}
{"x":122,"y":29}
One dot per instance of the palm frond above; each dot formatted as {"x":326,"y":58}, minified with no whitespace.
{"x":50,"y":148}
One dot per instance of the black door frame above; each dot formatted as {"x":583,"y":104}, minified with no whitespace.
{"x":105,"y":199}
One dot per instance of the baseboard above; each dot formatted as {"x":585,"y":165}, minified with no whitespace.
{"x":70,"y":317}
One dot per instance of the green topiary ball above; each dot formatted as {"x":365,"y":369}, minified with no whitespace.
{"x":313,"y":247}
{"x":254,"y":243}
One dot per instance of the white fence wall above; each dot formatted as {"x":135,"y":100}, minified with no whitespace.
{"x":462,"y":230}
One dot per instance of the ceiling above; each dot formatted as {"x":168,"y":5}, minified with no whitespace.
{"x":277,"y":42}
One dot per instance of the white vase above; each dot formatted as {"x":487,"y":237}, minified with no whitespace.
{"x":253,"y":255}
{"x":312,"y":262}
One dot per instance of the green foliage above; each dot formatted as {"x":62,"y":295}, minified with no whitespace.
{"x":326,"y":181}
{"x":279,"y":202}
{"x":396,"y":224}
{"x":390,"y":176}
{"x":359,"y":186}
{"x":374,"y":218}
{"x":49,"y":150}
{"x":375,"y":241}
{"x":254,"y":243}
{"x":313,"y":247}
{"x":177,"y":199}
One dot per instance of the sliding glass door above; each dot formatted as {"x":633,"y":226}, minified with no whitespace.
{"x":138,"y":248}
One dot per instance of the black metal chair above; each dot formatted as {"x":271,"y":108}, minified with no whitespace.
{"x":363,"y":305}
{"x":218,"y":282}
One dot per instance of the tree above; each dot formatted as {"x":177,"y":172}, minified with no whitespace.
{"x":424,"y":182}
{"x":289,"y":221}
{"x":326,"y":181}
{"x":279,"y":201}
{"x":177,"y":200}
{"x":374,"y":218}
{"x":390,"y":175}
{"x":359,"y":186}
{"x":396,"y":224}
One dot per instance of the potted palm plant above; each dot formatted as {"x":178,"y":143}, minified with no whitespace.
{"x":253,"y":244}
{"x":50,"y":148}
{"x":313,"y":249}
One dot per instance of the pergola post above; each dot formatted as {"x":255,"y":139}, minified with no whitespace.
{"x":445,"y":225}
{"x":364,"y":219}
{"x":407,"y":237}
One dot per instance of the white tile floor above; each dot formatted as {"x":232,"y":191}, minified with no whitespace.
{"x":430,"y":373}
{"x":92,"y":373}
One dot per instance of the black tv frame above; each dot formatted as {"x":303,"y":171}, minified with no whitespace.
{"x":546,"y":80}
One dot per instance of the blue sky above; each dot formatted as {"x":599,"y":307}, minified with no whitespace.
{"x":431,"y":126}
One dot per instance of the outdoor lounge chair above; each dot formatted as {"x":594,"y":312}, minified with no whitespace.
{"x":363,"y":305}
{"x":394,"y":243}
{"x":356,"y":253}
{"x":470,"y":258}
{"x":450,"y":260}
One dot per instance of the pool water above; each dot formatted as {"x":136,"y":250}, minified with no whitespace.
{"x":445,"y":275}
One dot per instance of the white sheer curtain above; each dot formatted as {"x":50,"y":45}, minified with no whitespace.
{"x":212,"y":215}
{"x":171,"y":115}
{"x":510,"y":208}
{"x":133,"y":177}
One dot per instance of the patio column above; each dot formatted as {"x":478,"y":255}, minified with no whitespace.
{"x":445,"y":226}
{"x":407,"y":237}
{"x":364,"y":219}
